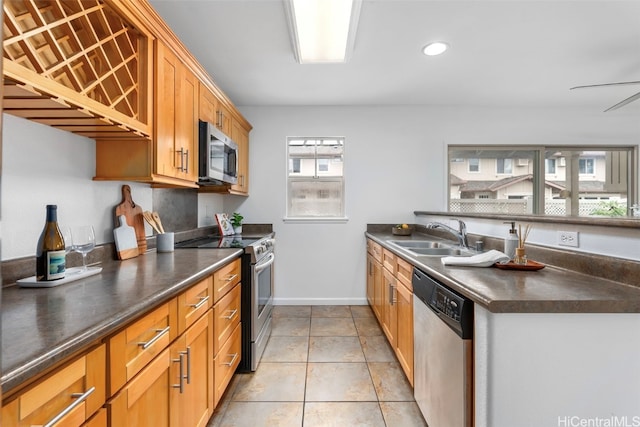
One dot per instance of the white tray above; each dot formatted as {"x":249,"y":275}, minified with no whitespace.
{"x":71,"y":275}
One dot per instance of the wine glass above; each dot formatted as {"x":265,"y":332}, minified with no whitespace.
{"x":84,"y":241}
{"x":68,"y":244}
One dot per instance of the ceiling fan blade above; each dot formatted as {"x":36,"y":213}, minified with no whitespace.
{"x":625,"y":102}
{"x":606,"y":84}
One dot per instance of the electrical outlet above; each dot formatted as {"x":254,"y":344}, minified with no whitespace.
{"x":568,"y":238}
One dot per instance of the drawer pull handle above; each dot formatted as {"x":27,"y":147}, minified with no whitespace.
{"x":81,"y":397}
{"x":228,"y":279}
{"x":234,"y":356}
{"x":231,"y":315}
{"x":156,"y":337}
{"x":202,"y":301}
{"x":181,"y":377}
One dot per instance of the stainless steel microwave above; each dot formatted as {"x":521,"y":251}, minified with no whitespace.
{"x":218,"y":156}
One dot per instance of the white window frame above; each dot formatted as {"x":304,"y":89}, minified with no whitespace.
{"x":593,"y":163}
{"x":469,"y":166}
{"x":341,"y":218}
{"x":504,"y":163}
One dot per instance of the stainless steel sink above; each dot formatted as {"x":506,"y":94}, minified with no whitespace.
{"x":441,"y":251}
{"x":430,"y":248}
{"x":414,"y":244}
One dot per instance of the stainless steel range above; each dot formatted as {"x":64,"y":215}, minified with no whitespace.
{"x":257,"y":290}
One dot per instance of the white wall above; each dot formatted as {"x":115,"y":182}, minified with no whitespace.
{"x":395,"y":163}
{"x":42,"y":165}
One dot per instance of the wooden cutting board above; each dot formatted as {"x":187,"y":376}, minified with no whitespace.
{"x":125,"y":239}
{"x":133,"y":214}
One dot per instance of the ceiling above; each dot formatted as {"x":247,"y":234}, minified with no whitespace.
{"x":510,"y":53}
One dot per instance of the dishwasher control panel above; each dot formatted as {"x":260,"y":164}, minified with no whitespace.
{"x":447,"y":303}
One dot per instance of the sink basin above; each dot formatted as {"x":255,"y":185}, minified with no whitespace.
{"x":415,"y":244}
{"x":429,"y":248}
{"x":441,"y":251}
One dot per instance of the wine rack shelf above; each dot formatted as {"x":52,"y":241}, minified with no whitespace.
{"x":77,"y":65}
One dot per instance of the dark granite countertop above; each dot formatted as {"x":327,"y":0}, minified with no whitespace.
{"x":550,"y":290}
{"x":42,"y":326}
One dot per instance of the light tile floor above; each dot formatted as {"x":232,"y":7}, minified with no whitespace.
{"x":323,"y":366}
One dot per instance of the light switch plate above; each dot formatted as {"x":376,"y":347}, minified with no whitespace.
{"x":568,"y":238}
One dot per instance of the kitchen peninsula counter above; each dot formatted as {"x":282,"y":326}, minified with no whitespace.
{"x":43,"y":326}
{"x":550,"y":290}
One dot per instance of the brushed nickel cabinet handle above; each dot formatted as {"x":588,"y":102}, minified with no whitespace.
{"x":180,"y":384}
{"x":81,"y":397}
{"x":156,"y":337}
{"x":234,"y":356}
{"x":231,"y":278}
{"x":230,"y":316}
{"x":200,"y":303}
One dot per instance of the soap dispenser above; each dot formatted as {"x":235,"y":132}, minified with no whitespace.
{"x":511,"y":241}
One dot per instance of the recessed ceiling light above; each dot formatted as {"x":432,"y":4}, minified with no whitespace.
{"x":435,"y":48}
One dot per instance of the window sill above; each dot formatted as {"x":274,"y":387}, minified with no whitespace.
{"x":316,"y":220}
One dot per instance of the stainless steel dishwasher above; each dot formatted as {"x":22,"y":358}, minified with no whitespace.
{"x":443,"y":353}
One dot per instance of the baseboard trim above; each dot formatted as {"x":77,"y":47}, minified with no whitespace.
{"x":320,"y":301}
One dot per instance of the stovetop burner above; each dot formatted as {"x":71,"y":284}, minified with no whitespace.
{"x":214,"y":242}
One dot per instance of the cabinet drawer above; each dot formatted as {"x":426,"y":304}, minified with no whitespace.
{"x":194,"y":302}
{"x":134,"y":347}
{"x":374,"y":249}
{"x":226,"y":362}
{"x":226,"y":315}
{"x":404,"y":273}
{"x":389,"y":260}
{"x":74,"y":392}
{"x":225,"y":279}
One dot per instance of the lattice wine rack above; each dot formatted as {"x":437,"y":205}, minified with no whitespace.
{"x":77,"y":65}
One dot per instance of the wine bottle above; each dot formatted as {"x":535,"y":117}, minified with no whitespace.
{"x":50,"y":253}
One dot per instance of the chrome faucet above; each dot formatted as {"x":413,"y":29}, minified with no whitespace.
{"x":460,"y":233}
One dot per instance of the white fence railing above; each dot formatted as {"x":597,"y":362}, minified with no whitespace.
{"x":519,"y":206}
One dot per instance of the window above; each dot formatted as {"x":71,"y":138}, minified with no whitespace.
{"x":550,"y":166}
{"x":553,"y":180}
{"x":504,"y":166}
{"x":586,"y":166}
{"x":315,"y":180}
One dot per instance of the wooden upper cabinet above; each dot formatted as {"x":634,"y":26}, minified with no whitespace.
{"x":81,"y":66}
{"x":241,"y":137}
{"x":176,"y":105}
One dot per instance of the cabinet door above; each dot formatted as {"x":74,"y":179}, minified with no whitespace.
{"x":72,"y":394}
{"x":378,"y":297}
{"x":241,"y":137}
{"x":186,"y":125}
{"x":192,"y":375}
{"x":370,"y":280}
{"x":223,"y":118}
{"x":98,"y":420}
{"x":176,"y":117}
{"x":404,"y":336}
{"x":389,"y":311}
{"x":144,"y":401}
{"x":167,"y":76}
{"x":207,"y":105}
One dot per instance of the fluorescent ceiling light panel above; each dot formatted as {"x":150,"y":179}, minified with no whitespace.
{"x":322,"y":31}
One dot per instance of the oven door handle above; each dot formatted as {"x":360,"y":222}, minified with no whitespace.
{"x":270,"y":259}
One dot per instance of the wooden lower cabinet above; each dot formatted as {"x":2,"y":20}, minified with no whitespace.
{"x":71,"y":394}
{"x":389,"y":287}
{"x":404,"y":336}
{"x":144,"y":401}
{"x":226,"y":362}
